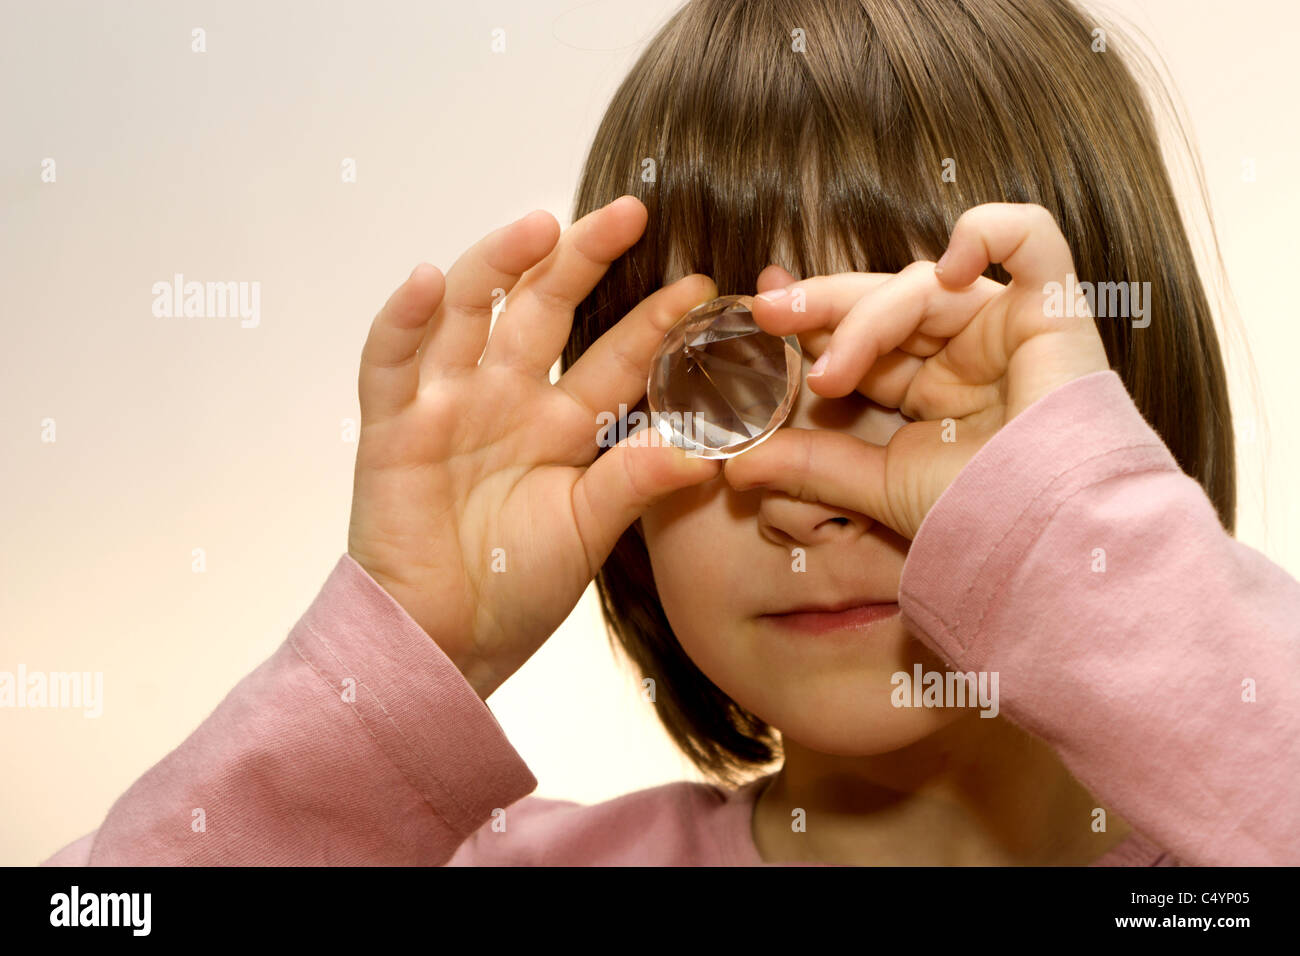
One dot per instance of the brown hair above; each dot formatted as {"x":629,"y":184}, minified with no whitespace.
{"x":747,"y":150}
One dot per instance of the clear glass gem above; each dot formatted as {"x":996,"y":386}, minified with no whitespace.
{"x":719,"y":384}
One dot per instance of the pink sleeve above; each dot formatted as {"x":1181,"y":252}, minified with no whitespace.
{"x":356,"y":742}
{"x":1169,"y":682}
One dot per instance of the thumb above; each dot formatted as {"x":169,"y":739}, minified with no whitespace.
{"x":832,"y":468}
{"x":895,"y":484}
{"x":619,"y":485}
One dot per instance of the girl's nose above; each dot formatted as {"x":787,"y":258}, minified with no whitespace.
{"x":791,"y":521}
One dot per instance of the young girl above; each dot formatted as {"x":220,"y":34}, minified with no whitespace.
{"x":980,"y":476}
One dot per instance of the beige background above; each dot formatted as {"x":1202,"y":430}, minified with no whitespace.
{"x":175,"y":434}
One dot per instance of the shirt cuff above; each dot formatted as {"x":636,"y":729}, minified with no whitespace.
{"x":421,"y":711}
{"x":972,"y":540}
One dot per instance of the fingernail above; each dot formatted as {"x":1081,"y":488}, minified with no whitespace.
{"x":938,"y":266}
{"x":773,"y":294}
{"x":415,"y":270}
{"x":819,"y":366}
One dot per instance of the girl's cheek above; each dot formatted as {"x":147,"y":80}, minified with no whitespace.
{"x":692,"y":539}
{"x":685,"y":513}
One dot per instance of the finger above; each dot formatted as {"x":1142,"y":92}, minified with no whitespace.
{"x":614,"y":369}
{"x":773,"y":277}
{"x":776,"y":277}
{"x":1027,"y":241}
{"x":833,"y":301}
{"x":844,"y":472}
{"x":630,"y":477}
{"x":813,"y":303}
{"x":818,"y":465}
{"x":815,"y":341}
{"x":1023,"y":237}
{"x":890,"y":377}
{"x":390,"y":375}
{"x":884,"y":318}
{"x":921,"y":344}
{"x":476,"y":282}
{"x":936,"y":391}
{"x":887,"y":381}
{"x":533,"y":326}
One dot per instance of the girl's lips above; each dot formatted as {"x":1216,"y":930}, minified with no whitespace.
{"x":822,"y":622}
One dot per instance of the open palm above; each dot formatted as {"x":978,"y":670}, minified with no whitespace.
{"x":479,"y":501}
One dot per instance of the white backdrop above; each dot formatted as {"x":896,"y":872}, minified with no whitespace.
{"x":177,"y":434}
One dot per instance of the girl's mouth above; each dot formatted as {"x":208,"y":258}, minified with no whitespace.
{"x":814,"y":621}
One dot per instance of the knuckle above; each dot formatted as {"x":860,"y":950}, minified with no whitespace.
{"x":970,"y":213}
{"x":551,"y":299}
{"x":626,"y":364}
{"x":1042,"y":215}
{"x":925,"y":399}
{"x":914,"y":404}
{"x":632,"y":474}
{"x":807,"y":463}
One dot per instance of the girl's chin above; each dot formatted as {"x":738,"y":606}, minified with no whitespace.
{"x":835,"y":722}
{"x":867,"y":744}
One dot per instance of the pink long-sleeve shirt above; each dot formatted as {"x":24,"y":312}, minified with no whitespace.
{"x":1139,"y":676}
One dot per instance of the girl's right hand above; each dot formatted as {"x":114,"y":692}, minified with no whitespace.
{"x":478,"y":501}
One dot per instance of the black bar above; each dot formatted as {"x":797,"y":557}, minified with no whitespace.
{"x":438,"y":905}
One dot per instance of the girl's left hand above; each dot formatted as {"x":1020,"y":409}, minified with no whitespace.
{"x":957,"y":353}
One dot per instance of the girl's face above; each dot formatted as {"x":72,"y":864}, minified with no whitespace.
{"x":723,"y":560}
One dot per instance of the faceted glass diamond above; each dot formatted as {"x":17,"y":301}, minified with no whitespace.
{"x":719,"y":384}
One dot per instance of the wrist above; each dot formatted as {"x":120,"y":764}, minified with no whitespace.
{"x":479,"y":674}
